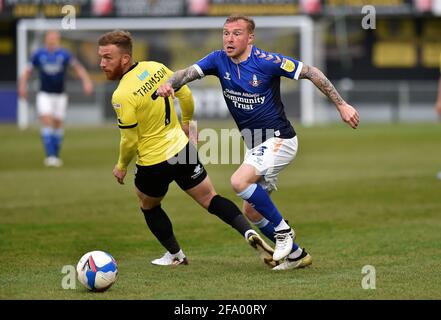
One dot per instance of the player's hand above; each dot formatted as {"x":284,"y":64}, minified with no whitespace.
{"x":119,"y":174}
{"x":191,"y":131}
{"x":186,"y":128}
{"x":166,"y":90}
{"x":349,"y":115}
{"x":88,"y":87}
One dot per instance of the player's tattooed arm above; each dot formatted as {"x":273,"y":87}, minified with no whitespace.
{"x":322,"y":82}
{"x":182,"y":77}
{"x":347,"y":112}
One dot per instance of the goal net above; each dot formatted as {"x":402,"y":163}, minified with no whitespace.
{"x":176,"y":42}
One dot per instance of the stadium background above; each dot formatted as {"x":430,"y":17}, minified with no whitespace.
{"x":360,"y":197}
{"x":389,"y":72}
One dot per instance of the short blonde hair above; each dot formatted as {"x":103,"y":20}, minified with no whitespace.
{"x":121,"y":39}
{"x":235,"y":17}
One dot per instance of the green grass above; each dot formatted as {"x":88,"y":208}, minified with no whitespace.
{"x":356,"y":197}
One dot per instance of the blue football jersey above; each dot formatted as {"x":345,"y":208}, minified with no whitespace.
{"x":52,"y":66}
{"x":251,"y":90}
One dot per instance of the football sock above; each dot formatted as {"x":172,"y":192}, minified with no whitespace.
{"x":161,"y":227}
{"x":295,"y":254}
{"x":282,"y":226}
{"x":46,"y":134}
{"x":261,"y":201}
{"x":228,"y":212}
{"x":57,"y":139}
{"x":268,"y":230}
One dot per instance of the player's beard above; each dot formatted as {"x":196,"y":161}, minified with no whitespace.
{"x":116,"y":74}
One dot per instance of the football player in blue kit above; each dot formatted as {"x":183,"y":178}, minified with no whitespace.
{"x":52,"y":61}
{"x":250,"y":80}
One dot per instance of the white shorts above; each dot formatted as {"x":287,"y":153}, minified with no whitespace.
{"x":52,"y":104}
{"x":270,"y":157}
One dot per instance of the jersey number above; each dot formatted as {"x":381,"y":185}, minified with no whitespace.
{"x":167,"y":111}
{"x":167,"y":107}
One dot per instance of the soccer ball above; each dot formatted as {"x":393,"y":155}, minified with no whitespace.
{"x":97,"y":271}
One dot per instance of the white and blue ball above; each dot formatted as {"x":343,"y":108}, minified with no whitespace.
{"x":97,"y":270}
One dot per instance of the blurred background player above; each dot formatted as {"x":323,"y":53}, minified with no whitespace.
{"x":250,"y":80}
{"x":438,"y":104}
{"x":52,"y":61}
{"x":150,"y":129}
{"x":438,"y":100}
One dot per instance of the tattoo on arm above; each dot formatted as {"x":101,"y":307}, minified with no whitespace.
{"x":182,"y":77}
{"x":320,"y":81}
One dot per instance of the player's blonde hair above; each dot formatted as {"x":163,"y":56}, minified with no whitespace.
{"x":249,"y":21}
{"x":121,"y":39}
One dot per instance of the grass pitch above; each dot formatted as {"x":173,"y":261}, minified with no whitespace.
{"x":355,"y":197}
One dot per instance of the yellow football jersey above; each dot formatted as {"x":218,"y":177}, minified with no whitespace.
{"x":148,"y":124}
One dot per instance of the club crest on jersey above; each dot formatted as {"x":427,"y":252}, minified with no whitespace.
{"x":117,"y":105}
{"x":287,"y":65}
{"x":143,"y":75}
{"x":227,"y":76}
{"x":255,"y":82}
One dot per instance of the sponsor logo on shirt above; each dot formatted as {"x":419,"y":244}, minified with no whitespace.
{"x":54,"y":67}
{"x":287,"y":65}
{"x":244,"y":100}
{"x":143,"y":75}
{"x":227,"y":76}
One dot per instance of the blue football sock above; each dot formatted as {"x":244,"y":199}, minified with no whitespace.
{"x":261,"y":201}
{"x":46,"y":137}
{"x":57,"y":139}
{"x":268,"y":230}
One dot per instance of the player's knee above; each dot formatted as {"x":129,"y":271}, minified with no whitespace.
{"x":151,"y":210}
{"x":57,"y":124}
{"x":238,"y":183}
{"x":147,"y":204}
{"x":206,"y":200}
{"x":46,"y":120}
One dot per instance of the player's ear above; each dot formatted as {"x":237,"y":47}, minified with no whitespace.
{"x":125,"y":58}
{"x":250,"y":38}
